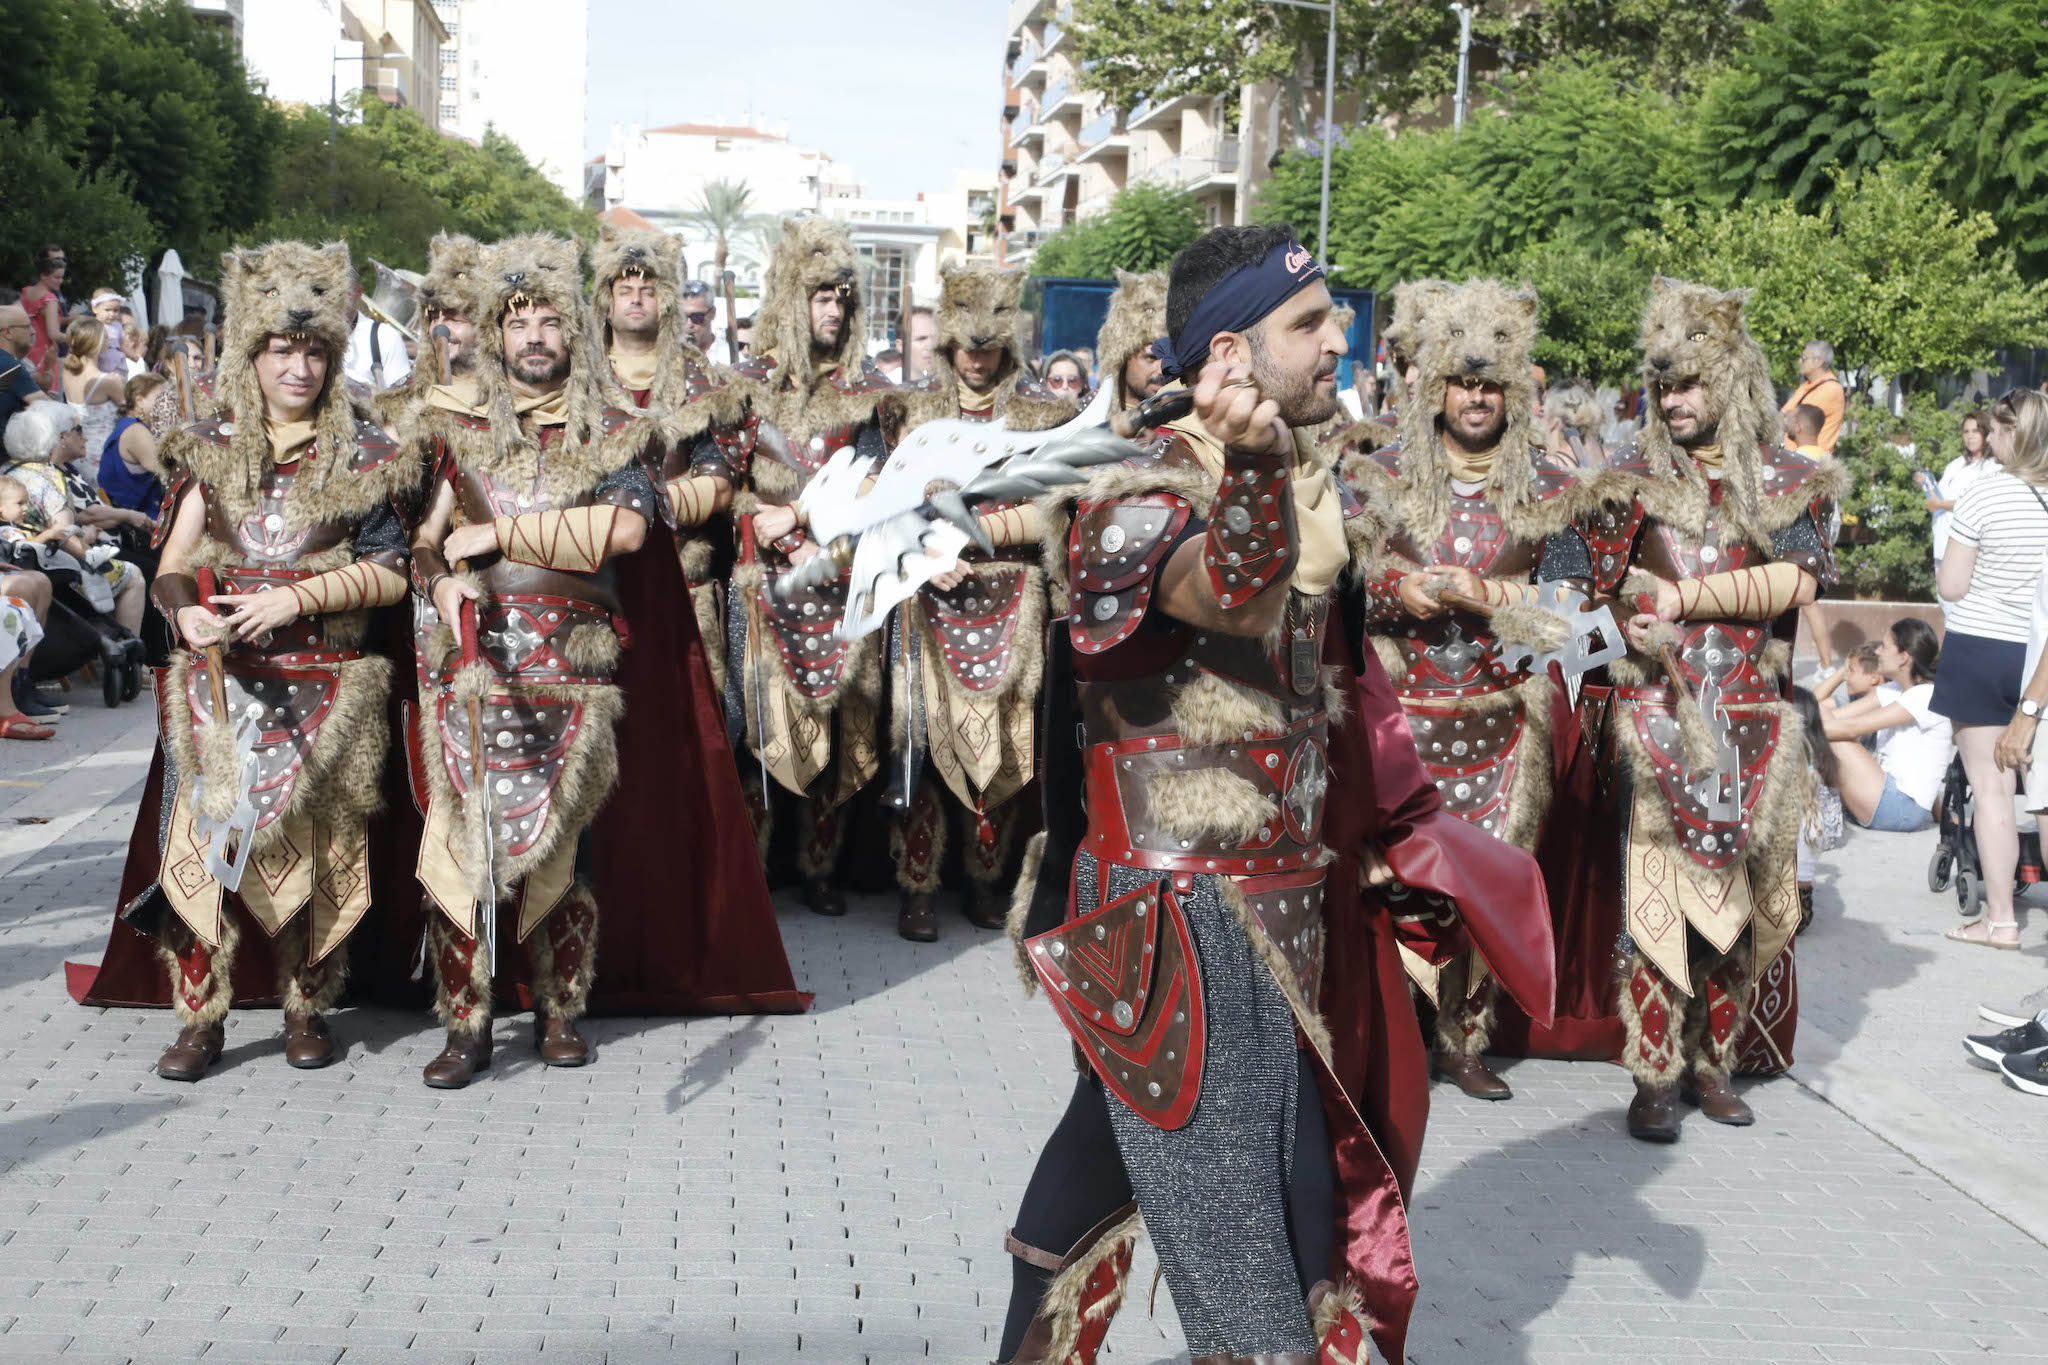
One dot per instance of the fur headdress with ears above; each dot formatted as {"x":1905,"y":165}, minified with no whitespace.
{"x":449,"y":286}
{"x":657,"y":256}
{"x":1480,"y":330}
{"x":977,"y":310}
{"x":284,"y":289}
{"x":1136,"y":318}
{"x":1412,"y":302}
{"x":812,"y":253}
{"x":1691,"y":331}
{"x":522,"y":271}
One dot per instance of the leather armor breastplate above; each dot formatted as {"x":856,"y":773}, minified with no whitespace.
{"x":482,"y":496}
{"x":1453,"y":655}
{"x":261,"y":537}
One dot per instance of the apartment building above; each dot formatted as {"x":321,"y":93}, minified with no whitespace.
{"x":401,"y":51}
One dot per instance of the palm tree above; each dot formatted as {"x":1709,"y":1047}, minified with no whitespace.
{"x":721,"y":212}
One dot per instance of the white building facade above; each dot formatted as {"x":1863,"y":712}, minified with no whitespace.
{"x":504,"y":50}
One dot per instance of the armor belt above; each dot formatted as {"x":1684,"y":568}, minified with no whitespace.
{"x":525,"y":636}
{"x":301,"y":641}
{"x":1291,"y":764}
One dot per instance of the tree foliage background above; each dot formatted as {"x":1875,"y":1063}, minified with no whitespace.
{"x":126,"y":128}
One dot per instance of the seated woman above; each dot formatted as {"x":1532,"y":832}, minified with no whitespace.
{"x":1893,"y":789}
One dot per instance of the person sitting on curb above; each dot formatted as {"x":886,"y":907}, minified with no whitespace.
{"x":1893,"y":789}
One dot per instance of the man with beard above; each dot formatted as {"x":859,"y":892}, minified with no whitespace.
{"x":1233,"y":784}
{"x":1480,"y":511}
{"x":638,"y":289}
{"x":970,"y":644}
{"x":281,"y":534}
{"x":541,"y":494}
{"x":1134,"y":320}
{"x":811,"y":702}
{"x":1708,"y":529}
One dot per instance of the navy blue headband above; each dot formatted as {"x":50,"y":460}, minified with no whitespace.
{"x":1239,"y":300}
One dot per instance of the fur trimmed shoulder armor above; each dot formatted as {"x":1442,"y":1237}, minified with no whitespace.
{"x":1758,"y":498}
{"x":378,"y":468}
{"x":1107,"y":538}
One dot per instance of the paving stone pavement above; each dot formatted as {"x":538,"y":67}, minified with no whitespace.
{"x":834,"y":1187}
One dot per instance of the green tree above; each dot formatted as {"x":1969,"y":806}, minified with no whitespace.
{"x":1885,"y":523}
{"x":1143,"y":228}
{"x":1901,"y":283}
{"x":722,"y":211}
{"x":50,"y":200}
{"x":1966,"y":81}
{"x":1591,"y":310}
{"x":1795,"y":103}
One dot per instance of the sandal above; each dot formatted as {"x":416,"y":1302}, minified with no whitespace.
{"x":1985,"y":934}
{"x":15,"y":725}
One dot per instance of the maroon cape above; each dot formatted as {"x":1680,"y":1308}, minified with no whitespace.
{"x":1376,"y":1086}
{"x":1581,"y":856}
{"x":686,"y":925}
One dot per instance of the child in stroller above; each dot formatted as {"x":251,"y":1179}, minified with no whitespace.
{"x":98,"y":597}
{"x":1955,"y":855}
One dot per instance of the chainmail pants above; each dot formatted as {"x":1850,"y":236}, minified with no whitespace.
{"x":1214,"y":1192}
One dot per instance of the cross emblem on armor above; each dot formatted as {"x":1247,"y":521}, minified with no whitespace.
{"x":1307,"y":782}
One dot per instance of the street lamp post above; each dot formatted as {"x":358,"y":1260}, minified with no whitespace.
{"x":1462,"y":105}
{"x":1328,"y":7}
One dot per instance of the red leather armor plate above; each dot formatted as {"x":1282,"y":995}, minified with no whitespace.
{"x":802,"y":625}
{"x":1471,"y":756}
{"x":1289,"y":908}
{"x":975,"y":624}
{"x":1123,"y":982}
{"x":291,"y":704}
{"x":525,"y":745}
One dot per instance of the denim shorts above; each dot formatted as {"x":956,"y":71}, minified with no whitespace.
{"x":1896,"y":813}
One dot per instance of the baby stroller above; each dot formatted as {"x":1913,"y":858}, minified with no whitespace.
{"x":81,"y":625}
{"x":1955,"y":855}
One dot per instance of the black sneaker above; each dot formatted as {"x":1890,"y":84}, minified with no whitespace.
{"x":2027,"y":1071}
{"x":1996,"y":1047}
{"x":36,"y":704}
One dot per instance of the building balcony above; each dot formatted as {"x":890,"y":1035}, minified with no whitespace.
{"x":1054,"y":35}
{"x":1207,"y":163}
{"x":1062,"y":99}
{"x":1097,"y":128}
{"x":1050,"y":168}
{"x":1028,"y":198}
{"x":1155,"y":114}
{"x":1020,"y":65}
{"x":1032,"y":138}
{"x":1055,"y":93}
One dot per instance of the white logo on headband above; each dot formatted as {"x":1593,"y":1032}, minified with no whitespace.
{"x":1298,"y":259}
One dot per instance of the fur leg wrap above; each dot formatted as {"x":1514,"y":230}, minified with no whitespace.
{"x":825,"y":831}
{"x":1652,"y":1020}
{"x":1083,"y":1297}
{"x":759,"y":813}
{"x":564,"y":956}
{"x":1464,"y":1017}
{"x":462,"y":988}
{"x":202,"y":978}
{"x":985,"y":843}
{"x":308,"y":987}
{"x":917,"y":838}
{"x":1719,"y":1016}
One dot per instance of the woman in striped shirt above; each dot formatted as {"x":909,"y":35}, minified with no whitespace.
{"x":1997,"y":542}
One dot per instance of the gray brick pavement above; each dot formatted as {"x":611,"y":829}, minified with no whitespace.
{"x":834,"y":1187}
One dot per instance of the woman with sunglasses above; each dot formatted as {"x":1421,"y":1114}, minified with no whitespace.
{"x":1066,"y":377}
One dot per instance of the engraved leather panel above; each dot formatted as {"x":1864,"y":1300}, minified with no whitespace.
{"x":1610,"y":532}
{"x":1122,"y":979}
{"x":290,"y":705}
{"x":262,"y":536}
{"x":483,"y":496}
{"x":526,"y":743}
{"x":1246,"y":529}
{"x":975,"y":624}
{"x":524,"y":639}
{"x":1754,"y":730}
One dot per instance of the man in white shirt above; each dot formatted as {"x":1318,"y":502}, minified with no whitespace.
{"x":376,"y":351}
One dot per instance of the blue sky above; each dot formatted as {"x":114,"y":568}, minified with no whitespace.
{"x":907,"y":91}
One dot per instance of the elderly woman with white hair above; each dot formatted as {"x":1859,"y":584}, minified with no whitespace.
{"x":42,"y":443}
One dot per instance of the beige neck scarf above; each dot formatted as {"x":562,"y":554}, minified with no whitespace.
{"x":288,"y":440}
{"x":978,"y":400}
{"x":635,"y":372}
{"x":1468,"y":466}
{"x":1706,"y":456}
{"x":1318,"y":509}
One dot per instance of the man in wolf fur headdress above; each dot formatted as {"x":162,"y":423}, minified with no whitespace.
{"x":970,"y":646}
{"x":1205,"y":908}
{"x":447,"y":300}
{"x":636,"y":288}
{"x":289,"y":505}
{"x":811,"y":702}
{"x":1135,"y":318}
{"x":1478,"y":509}
{"x":542,"y":491}
{"x":1708,"y":530}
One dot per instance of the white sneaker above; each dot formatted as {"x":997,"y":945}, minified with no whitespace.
{"x":2014,"y":1016}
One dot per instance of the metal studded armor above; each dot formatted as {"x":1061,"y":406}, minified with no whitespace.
{"x":1710,"y":850}
{"x":541,"y":662}
{"x":311,"y":694}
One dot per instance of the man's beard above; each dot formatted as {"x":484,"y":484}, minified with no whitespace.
{"x":644,"y":330}
{"x":1301,"y":402}
{"x":461,"y":363}
{"x":557,"y":371}
{"x":823,"y":345}
{"x":1480,"y":444}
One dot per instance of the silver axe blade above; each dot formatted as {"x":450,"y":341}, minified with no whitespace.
{"x":229,"y":841}
{"x":1720,"y":791}
{"x":1594,"y":639}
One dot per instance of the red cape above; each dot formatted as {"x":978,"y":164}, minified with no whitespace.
{"x":1376,"y":1091}
{"x":685,"y":922}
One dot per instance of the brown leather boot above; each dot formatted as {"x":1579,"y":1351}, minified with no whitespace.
{"x":823,"y":898}
{"x":307,"y":1044}
{"x":196,"y":1048}
{"x":985,"y":905}
{"x":916,"y":919}
{"x":1471,"y":1075}
{"x":1654,"y":1115}
{"x":559,"y":1042}
{"x":1717,"y":1099}
{"x":465,"y":1055}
